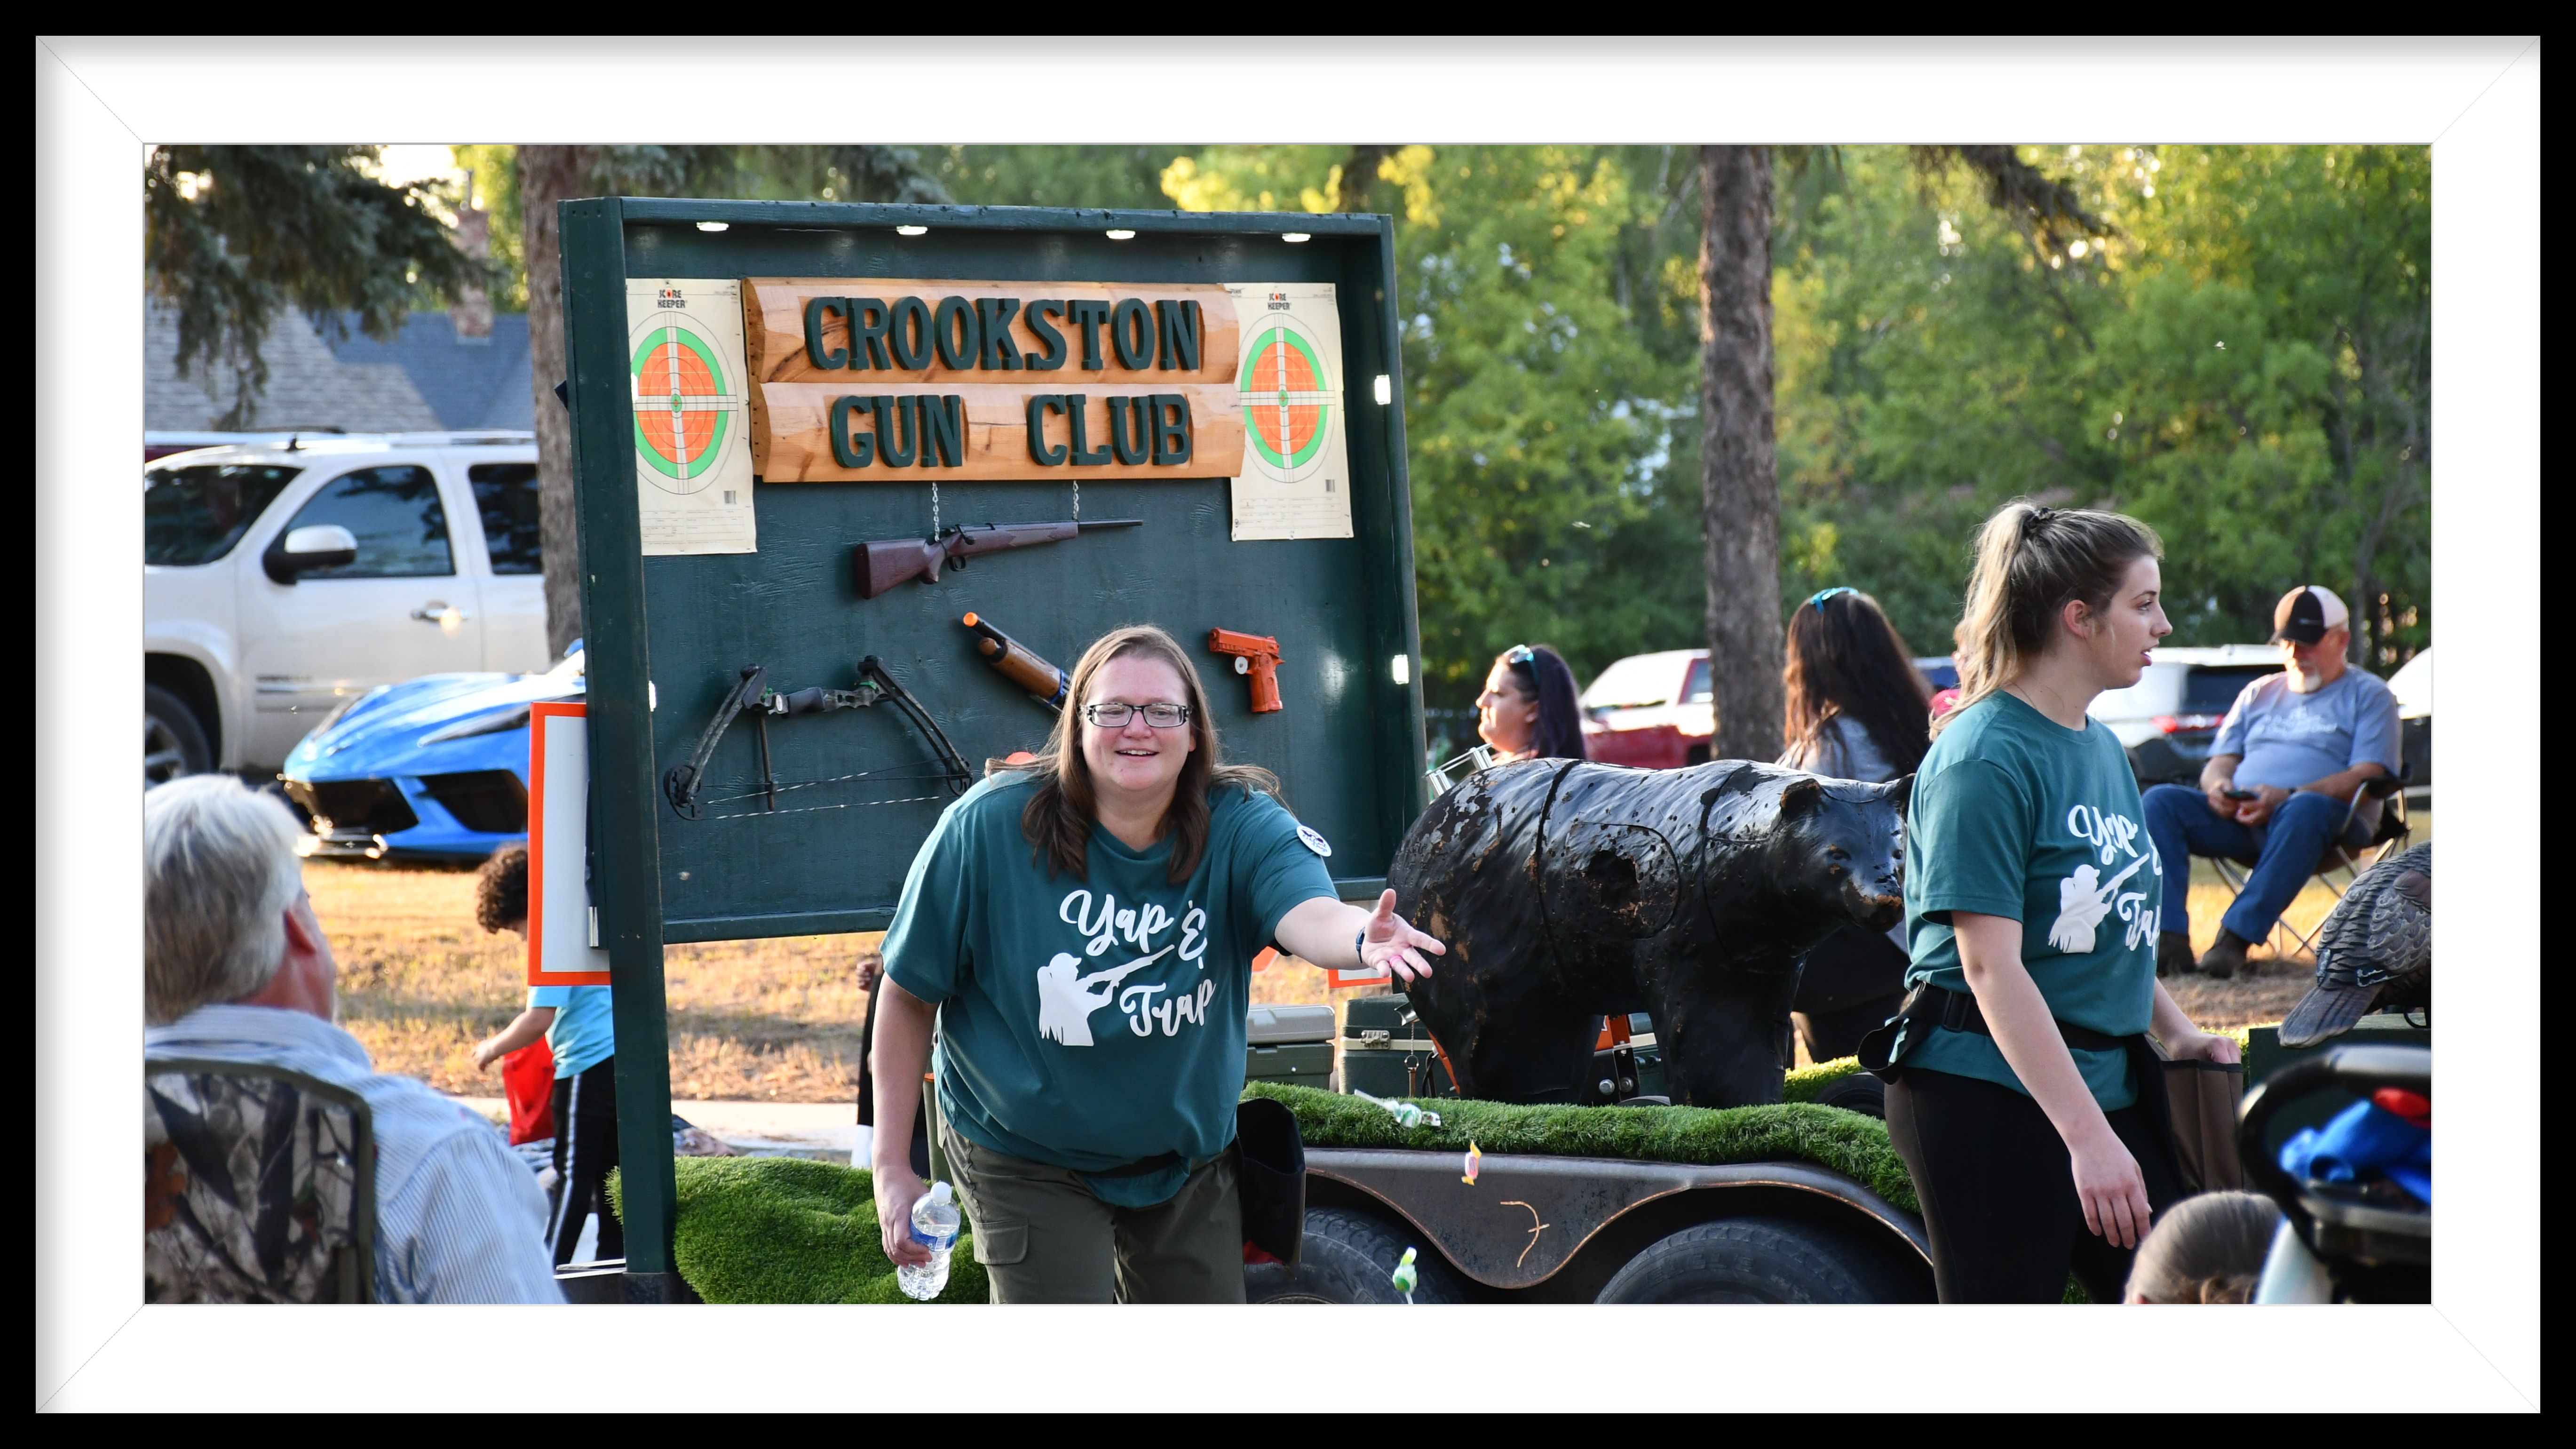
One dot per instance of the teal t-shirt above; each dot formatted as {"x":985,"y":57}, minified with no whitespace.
{"x":2018,"y":816}
{"x":1096,"y":1022}
{"x":585,"y":1029}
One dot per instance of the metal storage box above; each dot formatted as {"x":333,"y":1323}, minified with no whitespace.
{"x":1387,"y":1052}
{"x":1290,"y":1044}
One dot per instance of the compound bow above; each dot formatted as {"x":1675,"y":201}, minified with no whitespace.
{"x":686,"y":782}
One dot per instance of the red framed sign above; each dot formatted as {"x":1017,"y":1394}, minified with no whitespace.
{"x":563,"y":925}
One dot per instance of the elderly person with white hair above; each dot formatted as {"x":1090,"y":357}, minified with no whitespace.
{"x":236,"y":968}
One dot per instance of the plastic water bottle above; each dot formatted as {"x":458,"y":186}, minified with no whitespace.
{"x":934,"y":1226}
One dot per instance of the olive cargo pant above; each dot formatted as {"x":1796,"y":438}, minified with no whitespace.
{"x":1043,"y":1237}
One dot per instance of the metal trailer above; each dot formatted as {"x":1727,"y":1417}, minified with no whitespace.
{"x":1535,"y":1229}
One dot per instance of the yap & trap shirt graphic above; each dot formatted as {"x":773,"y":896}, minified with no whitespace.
{"x":2017,"y":816}
{"x":1095,"y":1022}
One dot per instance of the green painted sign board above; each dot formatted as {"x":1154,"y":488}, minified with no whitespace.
{"x":668,"y":635}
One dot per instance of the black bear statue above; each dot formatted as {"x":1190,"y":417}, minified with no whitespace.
{"x":1565,"y":890}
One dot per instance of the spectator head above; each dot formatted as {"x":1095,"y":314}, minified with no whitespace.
{"x":2314,"y":631}
{"x":1845,"y":658}
{"x":1529,"y":708}
{"x":2043,"y":576}
{"x":225,"y":917}
{"x":501,"y":891}
{"x":2205,"y":1249}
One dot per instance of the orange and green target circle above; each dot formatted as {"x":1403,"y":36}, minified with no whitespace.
{"x":680,"y":402}
{"x":1286,"y":410}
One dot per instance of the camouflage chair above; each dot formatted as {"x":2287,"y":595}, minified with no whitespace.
{"x":259,"y":1186}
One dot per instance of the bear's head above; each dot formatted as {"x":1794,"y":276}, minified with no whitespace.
{"x":1838,"y":847}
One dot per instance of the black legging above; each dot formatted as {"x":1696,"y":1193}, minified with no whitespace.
{"x":1998,"y":1189}
{"x":585,"y":1152}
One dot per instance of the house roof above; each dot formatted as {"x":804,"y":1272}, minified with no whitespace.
{"x":467,"y":382}
{"x":308,"y":387}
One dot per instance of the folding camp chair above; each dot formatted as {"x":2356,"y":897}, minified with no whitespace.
{"x":2348,"y":861}
{"x":259,"y":1186}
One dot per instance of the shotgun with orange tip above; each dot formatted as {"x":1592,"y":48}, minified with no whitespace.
{"x":1019,"y":663}
{"x":1257,"y":657}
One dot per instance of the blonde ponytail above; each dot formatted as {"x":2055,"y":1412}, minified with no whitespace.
{"x":2031,"y":562}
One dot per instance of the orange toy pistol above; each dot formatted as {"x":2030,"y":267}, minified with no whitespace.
{"x":1257,"y":657}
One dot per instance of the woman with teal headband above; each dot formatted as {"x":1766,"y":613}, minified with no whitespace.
{"x":1856,"y":710}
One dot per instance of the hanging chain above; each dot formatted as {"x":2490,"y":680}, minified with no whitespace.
{"x":934,"y":508}
{"x":1077,"y":500}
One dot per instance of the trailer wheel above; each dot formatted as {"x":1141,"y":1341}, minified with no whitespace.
{"x":1763,"y":1260}
{"x":1350,"y":1257}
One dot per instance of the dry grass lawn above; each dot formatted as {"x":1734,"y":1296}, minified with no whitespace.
{"x":774,"y":1020}
{"x":778,"y":1020}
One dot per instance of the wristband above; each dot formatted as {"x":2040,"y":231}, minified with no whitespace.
{"x":1359,"y":944}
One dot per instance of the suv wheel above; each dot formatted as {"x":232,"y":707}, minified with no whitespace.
{"x":174,"y":744}
{"x":1350,"y":1257}
{"x":1764,"y":1260}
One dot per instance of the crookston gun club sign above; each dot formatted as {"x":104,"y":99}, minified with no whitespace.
{"x":875,"y":380}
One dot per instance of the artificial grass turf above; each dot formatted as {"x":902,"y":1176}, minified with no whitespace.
{"x":788,"y":1230}
{"x":1847,"y":1142}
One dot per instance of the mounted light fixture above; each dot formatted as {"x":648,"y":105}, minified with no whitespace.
{"x":713,"y":225}
{"x":1296,"y":236}
{"x":1384,"y":389}
{"x":912,"y":231}
{"x":1120,"y":233}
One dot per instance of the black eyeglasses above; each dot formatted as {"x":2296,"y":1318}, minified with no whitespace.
{"x":1113,"y":715}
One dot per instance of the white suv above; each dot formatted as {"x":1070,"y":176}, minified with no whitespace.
{"x":280,"y":580}
{"x":2167,"y":719}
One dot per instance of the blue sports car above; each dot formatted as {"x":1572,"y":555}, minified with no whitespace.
{"x":432,"y":767}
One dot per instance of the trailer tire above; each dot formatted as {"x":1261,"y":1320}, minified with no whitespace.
{"x":1350,"y":1257}
{"x":1761,"y":1260}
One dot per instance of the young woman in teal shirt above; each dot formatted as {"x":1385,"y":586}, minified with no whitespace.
{"x":2026,"y":1103}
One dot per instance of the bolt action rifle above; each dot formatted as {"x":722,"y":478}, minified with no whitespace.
{"x":884,"y":563}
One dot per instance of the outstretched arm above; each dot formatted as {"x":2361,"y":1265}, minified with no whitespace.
{"x":531,"y":1024}
{"x":1339,"y":936}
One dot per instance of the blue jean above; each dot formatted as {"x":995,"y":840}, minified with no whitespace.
{"x":2283,"y":853}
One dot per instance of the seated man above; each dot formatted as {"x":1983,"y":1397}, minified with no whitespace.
{"x":2280,"y":781}
{"x":235,"y":968}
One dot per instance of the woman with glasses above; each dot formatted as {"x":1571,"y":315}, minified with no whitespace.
{"x":1528,"y":710}
{"x":1856,"y":710}
{"x":1082,"y":928}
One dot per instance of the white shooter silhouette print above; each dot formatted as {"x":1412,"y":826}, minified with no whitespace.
{"x":2084,"y":897}
{"x":1068,"y":997}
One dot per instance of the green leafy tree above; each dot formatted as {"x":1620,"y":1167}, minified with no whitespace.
{"x":233,"y":235}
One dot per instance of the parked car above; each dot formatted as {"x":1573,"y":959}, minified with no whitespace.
{"x":1651,"y":711}
{"x":2413,"y":686}
{"x":281,"y":580}
{"x":436,"y":766}
{"x":2167,"y":720}
{"x":1654,"y":711}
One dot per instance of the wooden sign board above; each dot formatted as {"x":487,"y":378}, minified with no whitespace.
{"x":877,"y":380}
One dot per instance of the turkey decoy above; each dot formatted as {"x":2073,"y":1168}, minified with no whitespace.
{"x":2374,"y":949}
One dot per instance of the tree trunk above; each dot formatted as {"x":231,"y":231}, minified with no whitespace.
{"x":548,"y":174}
{"x":1740,"y":471}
